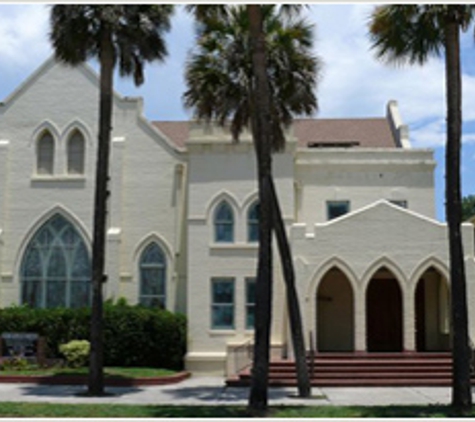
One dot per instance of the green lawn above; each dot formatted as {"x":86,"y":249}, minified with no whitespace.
{"x":39,"y":410}
{"x":120,"y":371}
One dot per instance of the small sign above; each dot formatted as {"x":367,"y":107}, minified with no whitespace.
{"x":20,"y":344}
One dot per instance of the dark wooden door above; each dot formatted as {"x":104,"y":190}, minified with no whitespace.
{"x":384,"y":316}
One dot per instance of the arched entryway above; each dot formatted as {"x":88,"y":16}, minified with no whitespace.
{"x":335,"y":313}
{"x":384,"y":313}
{"x":432,"y":311}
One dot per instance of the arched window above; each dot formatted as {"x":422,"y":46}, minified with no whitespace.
{"x":56,"y":268}
{"x":153,"y":269}
{"x":253,"y":223}
{"x":45,"y":154}
{"x":76,"y":147}
{"x":224,"y":223}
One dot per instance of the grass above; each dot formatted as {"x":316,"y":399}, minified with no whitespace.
{"x":49,"y":410}
{"x":115,"y":371}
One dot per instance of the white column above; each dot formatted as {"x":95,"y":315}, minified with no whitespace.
{"x":360,"y":320}
{"x":409,"y":320}
{"x":114,"y":232}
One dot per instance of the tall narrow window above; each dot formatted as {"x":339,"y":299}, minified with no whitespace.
{"x":224,"y":223}
{"x":76,"y":148}
{"x":222,"y":303}
{"x":45,"y":154}
{"x":56,"y":268}
{"x":250,"y":302}
{"x":253,"y":223}
{"x":153,"y":277}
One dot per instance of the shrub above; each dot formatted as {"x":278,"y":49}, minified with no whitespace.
{"x":133,"y":335}
{"x":76,"y":352}
{"x":16,"y":363}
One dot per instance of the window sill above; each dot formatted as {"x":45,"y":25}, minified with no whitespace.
{"x":221,"y":332}
{"x":234,"y":246}
{"x":57,"y":179}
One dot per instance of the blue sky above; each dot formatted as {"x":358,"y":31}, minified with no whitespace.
{"x":353,"y":83}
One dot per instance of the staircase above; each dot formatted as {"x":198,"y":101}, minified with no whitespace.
{"x":362,"y":369}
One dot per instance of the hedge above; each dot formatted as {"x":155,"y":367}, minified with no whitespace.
{"x":133,"y":335}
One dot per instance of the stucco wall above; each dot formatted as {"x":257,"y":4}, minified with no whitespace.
{"x":143,"y":183}
{"x":362,"y":176}
{"x":220,"y":169}
{"x":360,"y":243}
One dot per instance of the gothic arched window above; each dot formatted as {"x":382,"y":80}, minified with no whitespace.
{"x":76,"y":150}
{"x":56,"y":267}
{"x":253,"y":223}
{"x":45,"y":154}
{"x":153,"y":268}
{"x":224,"y":223}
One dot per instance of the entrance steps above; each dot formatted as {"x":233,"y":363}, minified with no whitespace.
{"x":362,"y":369}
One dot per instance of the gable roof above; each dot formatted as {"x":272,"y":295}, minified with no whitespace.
{"x":363,"y":133}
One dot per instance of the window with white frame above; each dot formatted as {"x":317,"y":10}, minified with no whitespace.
{"x":76,"y":150}
{"x":224,"y":223}
{"x":250,"y":302}
{"x":45,"y":154}
{"x":222,"y":303}
{"x":337,"y":208}
{"x":152,"y":268}
{"x":56,"y":267}
{"x":253,"y":223}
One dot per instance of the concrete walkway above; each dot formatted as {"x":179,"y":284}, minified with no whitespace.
{"x":212,"y":391}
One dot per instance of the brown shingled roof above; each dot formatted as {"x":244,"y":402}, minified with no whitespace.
{"x":176,"y":131}
{"x":369,"y":133}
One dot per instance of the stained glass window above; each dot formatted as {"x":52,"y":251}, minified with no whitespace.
{"x":153,"y":277}
{"x":45,"y":154}
{"x":56,"y":267}
{"x":222,"y":303}
{"x":253,"y":223}
{"x":224,"y":223}
{"x":76,"y":146}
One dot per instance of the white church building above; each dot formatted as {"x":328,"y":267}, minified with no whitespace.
{"x":371,"y":260}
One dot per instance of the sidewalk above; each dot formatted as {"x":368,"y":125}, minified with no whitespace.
{"x":212,"y":391}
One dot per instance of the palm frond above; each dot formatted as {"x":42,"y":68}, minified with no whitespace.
{"x":137,"y":32}
{"x":219,"y":72}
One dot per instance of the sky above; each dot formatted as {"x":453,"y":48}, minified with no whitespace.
{"x":353,"y":83}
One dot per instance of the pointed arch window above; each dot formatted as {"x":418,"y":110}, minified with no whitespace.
{"x":45,"y":154}
{"x":76,"y":150}
{"x":153,"y":268}
{"x":224,"y":223}
{"x":56,"y":267}
{"x":253,"y":223}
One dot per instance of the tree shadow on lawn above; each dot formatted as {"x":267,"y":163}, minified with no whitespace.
{"x":55,"y":391}
{"x":218,"y":394}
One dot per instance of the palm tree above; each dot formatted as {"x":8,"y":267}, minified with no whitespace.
{"x":127,"y":35}
{"x":413,"y":33}
{"x":243,"y":59}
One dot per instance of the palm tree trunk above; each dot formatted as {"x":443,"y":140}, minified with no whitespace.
{"x":258,"y":397}
{"x":96,"y":373}
{"x":303,"y":380}
{"x":461,"y":394}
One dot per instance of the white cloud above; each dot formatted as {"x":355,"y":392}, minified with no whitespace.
{"x":356,"y":84}
{"x":23,"y":34}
